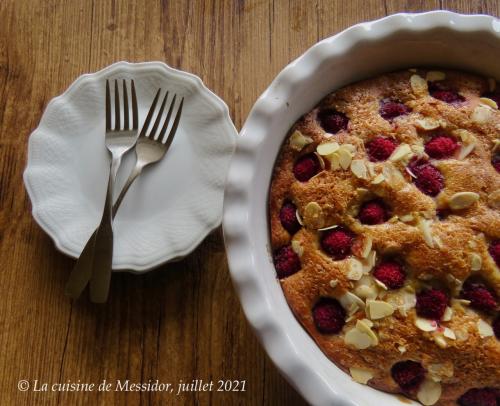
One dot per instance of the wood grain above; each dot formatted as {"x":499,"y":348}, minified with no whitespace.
{"x":183,"y":321}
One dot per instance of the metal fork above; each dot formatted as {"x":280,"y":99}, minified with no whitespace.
{"x":118,"y":141}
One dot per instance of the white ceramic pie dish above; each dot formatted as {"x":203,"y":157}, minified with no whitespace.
{"x":162,"y":217}
{"x":399,"y":41}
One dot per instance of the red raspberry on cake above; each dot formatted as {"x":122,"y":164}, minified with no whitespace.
{"x":427,"y":177}
{"x":481,"y":298}
{"x":390,"y":273}
{"x":306,"y":167}
{"x":441,"y":147}
{"x":373,"y":212}
{"x":409,"y":375}
{"x":496,"y":327}
{"x":431,"y":303}
{"x":441,"y":92}
{"x":380,"y":148}
{"x":329,"y":316}
{"x":333,"y":121}
{"x":288,"y":218}
{"x":286,"y":262}
{"x":390,"y":109}
{"x":337,"y":242}
{"x":494,"y":251}
{"x":480,"y":397}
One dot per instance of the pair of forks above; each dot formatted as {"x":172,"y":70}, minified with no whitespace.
{"x":95,"y":262}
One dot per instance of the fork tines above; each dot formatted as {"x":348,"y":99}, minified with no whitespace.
{"x":166,"y":119}
{"x":126,"y":110}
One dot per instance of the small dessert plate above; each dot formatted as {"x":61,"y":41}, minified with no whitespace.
{"x":170,"y":208}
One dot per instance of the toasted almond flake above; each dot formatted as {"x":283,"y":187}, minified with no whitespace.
{"x":353,"y":308}
{"x":313,"y":215}
{"x":492,"y":84}
{"x":367,"y":246}
{"x":368,"y":322}
{"x":328,"y":135}
{"x":481,"y":114}
{"x":299,"y":141}
{"x":407,"y":218}
{"x":327,"y":148}
{"x":429,"y":392}
{"x":366,"y":292}
{"x":494,"y":199}
{"x":378,"y":179}
{"x":476,"y":261}
{"x":345,"y":158}
{"x":334,"y":161}
{"x":334,"y":283}
{"x":369,"y":262}
{"x":462,"y":200}
{"x":484,"y":329}
{"x":434,"y":75}
{"x":328,"y":227}
{"x":428,"y":123}
{"x":365,"y":326}
{"x":297,"y":247}
{"x":418,"y":149}
{"x":425,"y":229}
{"x":448,"y":314}
{"x":402,"y":349}
{"x":349,"y":147}
{"x":381,"y":284}
{"x":400,"y":152}
{"x":358,"y":168}
{"x":393,"y":219}
{"x":440,"y":341}
{"x":496,"y":145}
{"x":360,"y":375}
{"x":357,"y":339}
{"x":348,"y":298}
{"x":299,"y":218}
{"x":489,"y":102}
{"x":378,"y":309}
{"x":449,"y":333}
{"x":465,"y":150}
{"x":320,"y":160}
{"x":460,"y":302}
{"x":426,"y":324}
{"x":462,"y":335}
{"x":355,"y":271}
{"x":371,"y":169}
{"x":438,"y":371}
{"x":438,"y":241}
{"x":465,"y":135}
{"x":418,"y":85}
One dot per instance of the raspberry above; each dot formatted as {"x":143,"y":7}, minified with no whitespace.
{"x":373,"y":212}
{"x":333,"y":121}
{"x":494,"y":251}
{"x":328,"y":316}
{"x":408,"y":375}
{"x":390,"y":273}
{"x":428,"y":178}
{"x":390,"y":108}
{"x":288,"y":218}
{"x":441,"y":147}
{"x":306,"y":167}
{"x":380,"y":148}
{"x":480,"y":397}
{"x":286,"y":262}
{"x":440,"y":92}
{"x":337,"y":242}
{"x":495,"y":161}
{"x":496,"y":327}
{"x":480,"y":296}
{"x":431,"y":304}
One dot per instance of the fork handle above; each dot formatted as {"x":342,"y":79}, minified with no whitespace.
{"x":133,"y":176}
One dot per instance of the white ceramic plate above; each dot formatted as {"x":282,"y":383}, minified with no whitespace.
{"x":403,"y":40}
{"x":170,"y":208}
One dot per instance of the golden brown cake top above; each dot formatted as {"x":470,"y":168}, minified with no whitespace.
{"x":385,"y":226}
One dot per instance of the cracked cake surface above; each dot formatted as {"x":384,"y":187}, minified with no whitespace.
{"x":385,"y":228}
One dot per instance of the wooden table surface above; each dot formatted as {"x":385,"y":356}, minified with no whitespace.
{"x":182,"y":321}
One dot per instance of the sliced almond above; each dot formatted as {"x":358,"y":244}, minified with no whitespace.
{"x":496,"y":145}
{"x":440,"y":341}
{"x":402,"y":349}
{"x":448,"y":314}
{"x":426,"y":324}
{"x":349,"y":147}
{"x":481,"y":114}
{"x":424,"y":226}
{"x":360,"y":375}
{"x":355,"y":271}
{"x":334,"y":283}
{"x":299,"y":218}
{"x":327,"y":148}
{"x":334,"y":161}
{"x":407,"y":218}
{"x":449,"y":333}
{"x":348,"y":298}
{"x":378,"y":309}
{"x":435,"y":75}
{"x":381,"y":284}
{"x":429,"y":392}
{"x":462,"y":200}
{"x":328,"y":227}
{"x":494,"y":199}
{"x":484,"y":329}
{"x":418,"y":85}
{"x":313,"y":215}
{"x":357,"y":339}
{"x":366,"y":247}
{"x":297,"y":247}
{"x":298,"y":140}
{"x":401,"y":152}
{"x":428,"y":123}
{"x":378,"y":179}
{"x":345,"y":158}
{"x":358,"y":168}
{"x":489,"y":102}
{"x":365,"y":326}
{"x":476,"y":261}
{"x":320,"y":160}
{"x":366,"y":291}
{"x":465,"y":150}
